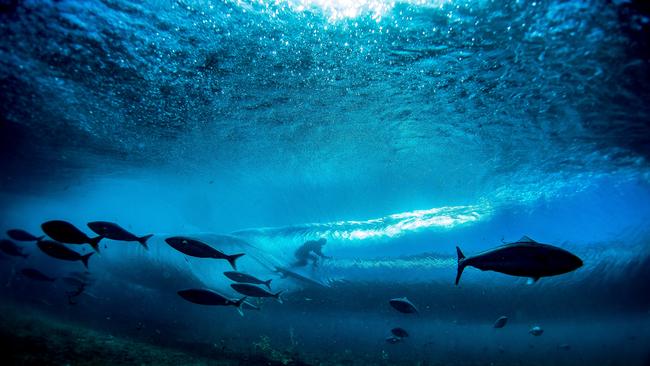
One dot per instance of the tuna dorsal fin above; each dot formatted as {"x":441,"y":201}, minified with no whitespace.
{"x":525,"y":239}
{"x":532,"y":280}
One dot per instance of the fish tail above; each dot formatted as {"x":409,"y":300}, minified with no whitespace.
{"x":94,"y":242}
{"x":239,"y":304}
{"x":143,"y":241}
{"x":84,"y":259}
{"x":461,"y":264}
{"x":232,"y":258}
{"x":268,"y":284}
{"x":277,"y":297}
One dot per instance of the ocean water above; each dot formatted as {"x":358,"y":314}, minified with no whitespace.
{"x":394,"y":130}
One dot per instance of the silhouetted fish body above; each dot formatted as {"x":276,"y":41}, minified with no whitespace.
{"x":209,"y":297}
{"x":198,"y":249}
{"x":403,"y":305}
{"x":524,"y":258}
{"x":22,"y":235}
{"x":536,"y":331}
{"x":36,"y":275}
{"x":399,"y":332}
{"x":114,"y":231}
{"x":254,"y":291}
{"x":10,"y":248}
{"x":246,"y":278}
{"x":60,"y":251}
{"x":501,"y":322}
{"x":65,"y":232}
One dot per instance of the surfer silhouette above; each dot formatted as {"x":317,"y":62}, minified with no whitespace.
{"x":311,"y":250}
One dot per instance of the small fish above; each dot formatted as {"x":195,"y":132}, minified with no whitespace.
{"x":116,"y":232}
{"x":195,"y":248}
{"x":209,"y":297}
{"x":60,"y":251}
{"x":254,"y":291}
{"x":523,"y":258}
{"x":36,"y":275}
{"x":564,"y":346}
{"x":22,"y":235}
{"x":393,"y":340}
{"x":10,"y":248}
{"x":501,"y":322}
{"x":536,"y":331}
{"x":399,"y":332}
{"x":65,"y":232}
{"x":403,"y":305}
{"x":246,"y":278}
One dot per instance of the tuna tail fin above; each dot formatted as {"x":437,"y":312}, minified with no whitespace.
{"x":461,"y":264}
{"x":94,"y":242}
{"x":239,"y":303}
{"x":268,"y":284}
{"x":232,"y":258}
{"x":277,"y":296}
{"x":143,"y":240}
{"x":84,"y":259}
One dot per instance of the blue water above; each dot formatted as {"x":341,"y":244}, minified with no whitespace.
{"x":395,"y":130}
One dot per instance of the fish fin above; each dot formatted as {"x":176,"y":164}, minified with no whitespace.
{"x":526,"y":239}
{"x":40,"y":238}
{"x":277,"y":297}
{"x":461,"y":264}
{"x":232,"y":258}
{"x":143,"y":240}
{"x":94,"y":242}
{"x":268,"y":283}
{"x":239,"y":304}
{"x":84,"y":259}
{"x":460,"y":254}
{"x":532,"y":280}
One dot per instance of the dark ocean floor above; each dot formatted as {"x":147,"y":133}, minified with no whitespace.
{"x":30,"y":336}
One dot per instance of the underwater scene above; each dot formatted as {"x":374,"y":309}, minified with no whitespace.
{"x":313,"y":182}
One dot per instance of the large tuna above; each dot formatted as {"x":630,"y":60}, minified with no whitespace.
{"x":523,"y":258}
